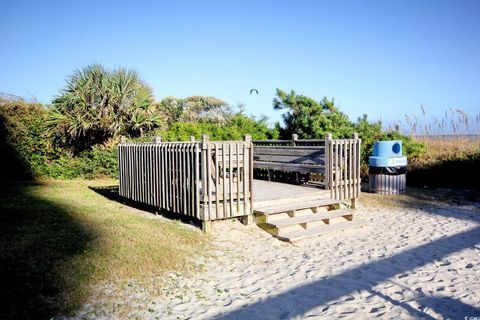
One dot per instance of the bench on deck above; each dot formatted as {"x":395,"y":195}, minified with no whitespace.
{"x":289,"y":156}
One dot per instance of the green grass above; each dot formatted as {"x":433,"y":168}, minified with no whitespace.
{"x":58,"y":238}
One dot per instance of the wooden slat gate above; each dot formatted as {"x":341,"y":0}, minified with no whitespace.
{"x":342,"y":176}
{"x":205,"y":180}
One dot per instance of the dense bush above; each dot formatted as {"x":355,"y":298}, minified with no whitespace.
{"x":24,"y":146}
{"x":233,"y":129}
{"x":29,"y":152}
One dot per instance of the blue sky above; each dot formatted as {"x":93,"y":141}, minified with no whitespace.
{"x":383,"y":58}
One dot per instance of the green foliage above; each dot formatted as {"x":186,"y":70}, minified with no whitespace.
{"x":195,"y":108}
{"x":23,"y":143}
{"x":310,"y":119}
{"x":91,"y":164}
{"x":234,"y":129}
{"x":97,"y":105}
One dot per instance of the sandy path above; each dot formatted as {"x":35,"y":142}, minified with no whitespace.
{"x":407,"y":262}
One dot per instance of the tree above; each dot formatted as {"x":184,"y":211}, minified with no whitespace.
{"x":195,"y":108}
{"x":310,"y":119}
{"x":97,"y":105}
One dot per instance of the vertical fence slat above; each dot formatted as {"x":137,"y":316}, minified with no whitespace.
{"x":209,"y":177}
{"x":237,"y":153}
{"x":250,"y":171}
{"x":230,"y":180}
{"x":224,"y":175}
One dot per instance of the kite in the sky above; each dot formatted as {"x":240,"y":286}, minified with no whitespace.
{"x":253,"y":90}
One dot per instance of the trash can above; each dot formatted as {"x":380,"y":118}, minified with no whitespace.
{"x":388,"y":168}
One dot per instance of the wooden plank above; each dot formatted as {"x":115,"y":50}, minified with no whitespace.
{"x":237,"y":151}
{"x":197,"y":181}
{"x":190,"y":179}
{"x":184,"y":180}
{"x":224,"y":175}
{"x":217,"y":183}
{"x":346,"y":168}
{"x":320,"y":160}
{"x":328,"y":162}
{"x":208,"y":178}
{"x":230,"y":180}
{"x":310,"y":218}
{"x":296,"y":167}
{"x":273,"y":209}
{"x":250,"y":171}
{"x":163,"y":152}
{"x":245,"y":177}
{"x":311,"y":151}
{"x":337,"y":196}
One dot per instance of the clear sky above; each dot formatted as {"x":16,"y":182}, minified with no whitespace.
{"x":383,"y":58}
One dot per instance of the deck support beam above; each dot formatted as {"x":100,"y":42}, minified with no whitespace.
{"x":246,"y":220}
{"x":207,"y":226}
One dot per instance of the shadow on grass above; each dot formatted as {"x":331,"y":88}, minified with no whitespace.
{"x":111,"y":193}
{"x":38,"y":239}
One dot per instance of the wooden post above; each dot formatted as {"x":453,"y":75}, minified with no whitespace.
{"x":294,"y":139}
{"x":294,"y":143}
{"x":328,"y":164}
{"x":249,"y":175}
{"x":123,"y":139}
{"x":204,"y":162}
{"x":205,"y":140}
{"x":157,"y":139}
{"x":207,"y":226}
{"x":356,"y":171}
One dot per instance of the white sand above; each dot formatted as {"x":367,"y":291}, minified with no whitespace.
{"x":407,"y":262}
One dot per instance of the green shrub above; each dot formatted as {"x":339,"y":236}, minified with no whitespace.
{"x":24,"y":146}
{"x":233,"y":129}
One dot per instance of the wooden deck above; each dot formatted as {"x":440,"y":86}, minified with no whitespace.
{"x":214,"y":180}
{"x":268,"y":192}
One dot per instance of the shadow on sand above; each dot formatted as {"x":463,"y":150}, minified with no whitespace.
{"x":302,"y":299}
{"x":318,"y":293}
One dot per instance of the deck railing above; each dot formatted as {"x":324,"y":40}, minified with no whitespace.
{"x":203,"y":179}
{"x":342,"y":159}
{"x":338,"y":160}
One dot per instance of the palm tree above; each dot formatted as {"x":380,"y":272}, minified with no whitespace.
{"x":97,"y":105}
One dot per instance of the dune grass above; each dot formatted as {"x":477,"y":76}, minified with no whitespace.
{"x":59,"y":238}
{"x":449,"y":161}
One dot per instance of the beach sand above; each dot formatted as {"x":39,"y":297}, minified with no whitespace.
{"x":411,"y":259}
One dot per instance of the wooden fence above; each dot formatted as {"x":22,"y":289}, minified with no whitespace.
{"x":202,"y":179}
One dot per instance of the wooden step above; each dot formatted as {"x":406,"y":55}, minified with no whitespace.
{"x":307,"y":233}
{"x":310,"y":218}
{"x":295,"y":206}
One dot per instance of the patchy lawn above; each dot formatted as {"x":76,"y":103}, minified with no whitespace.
{"x":60,"y":238}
